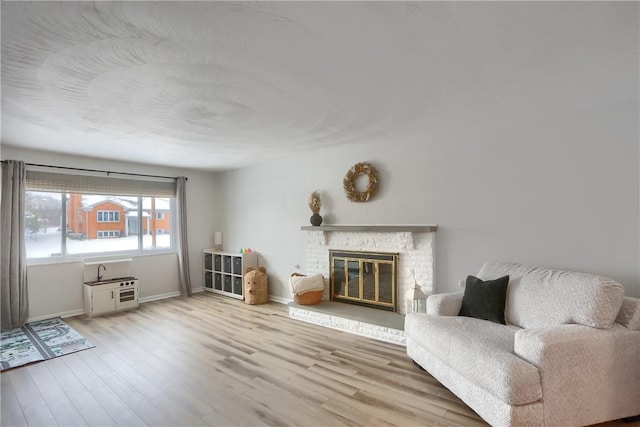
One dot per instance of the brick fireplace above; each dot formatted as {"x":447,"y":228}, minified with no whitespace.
{"x":414,"y":245}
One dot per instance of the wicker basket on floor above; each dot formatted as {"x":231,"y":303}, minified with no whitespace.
{"x":256,"y":287}
{"x":308,"y":298}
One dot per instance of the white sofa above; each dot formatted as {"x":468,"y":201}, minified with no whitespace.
{"x":569,"y":354}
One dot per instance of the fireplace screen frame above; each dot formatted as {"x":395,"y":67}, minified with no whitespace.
{"x":349,"y":258}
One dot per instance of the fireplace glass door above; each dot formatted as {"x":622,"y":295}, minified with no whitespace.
{"x":364,"y":278}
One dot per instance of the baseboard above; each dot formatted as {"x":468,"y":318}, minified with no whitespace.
{"x":196,"y":290}
{"x":64,"y":314}
{"x":173,"y":294}
{"x":159,"y":296}
{"x":281,"y":300}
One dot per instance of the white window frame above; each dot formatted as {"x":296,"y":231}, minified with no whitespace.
{"x":104,"y":234}
{"x":111,"y":216}
{"x":54,"y":182}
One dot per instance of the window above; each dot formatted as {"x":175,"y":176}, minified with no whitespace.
{"x":155,"y":236}
{"x":108,"y":216}
{"x":42,"y":224}
{"x":63,"y":220}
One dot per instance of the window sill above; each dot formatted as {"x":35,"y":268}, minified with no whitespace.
{"x":70,"y":259}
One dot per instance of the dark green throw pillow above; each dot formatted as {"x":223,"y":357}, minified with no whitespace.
{"x":485,"y":300}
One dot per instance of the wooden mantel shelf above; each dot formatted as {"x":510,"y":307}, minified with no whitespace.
{"x":428,"y":228}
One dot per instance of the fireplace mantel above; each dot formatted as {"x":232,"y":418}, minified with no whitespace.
{"x":428,"y":228}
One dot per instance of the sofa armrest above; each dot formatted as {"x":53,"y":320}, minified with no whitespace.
{"x":579,"y":365}
{"x":444,"y":304}
{"x":629,"y":314}
{"x":551,"y":347}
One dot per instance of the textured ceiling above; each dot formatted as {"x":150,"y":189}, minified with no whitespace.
{"x":217,"y":85}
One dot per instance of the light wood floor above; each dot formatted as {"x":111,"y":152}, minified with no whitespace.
{"x":212,"y":360}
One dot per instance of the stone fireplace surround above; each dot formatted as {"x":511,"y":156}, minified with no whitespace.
{"x":414,"y":243}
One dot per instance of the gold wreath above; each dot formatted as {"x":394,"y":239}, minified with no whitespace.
{"x":350,"y":182}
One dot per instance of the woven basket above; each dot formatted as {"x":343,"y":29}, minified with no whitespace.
{"x":256,"y":287}
{"x":309,"y":298}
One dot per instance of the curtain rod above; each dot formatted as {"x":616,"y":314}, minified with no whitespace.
{"x":101,"y":171}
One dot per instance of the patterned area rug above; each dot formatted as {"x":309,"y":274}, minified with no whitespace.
{"x":39,"y":341}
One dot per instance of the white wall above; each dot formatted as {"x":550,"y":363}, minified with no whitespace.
{"x":56,"y":289}
{"x":569,"y":202}
{"x":534,"y":159}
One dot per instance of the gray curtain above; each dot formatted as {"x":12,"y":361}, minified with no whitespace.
{"x":14,"y":308}
{"x":183,"y":245}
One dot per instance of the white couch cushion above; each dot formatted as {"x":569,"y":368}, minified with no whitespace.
{"x":444,"y":304}
{"x":539,"y":297}
{"x":479,"y":350}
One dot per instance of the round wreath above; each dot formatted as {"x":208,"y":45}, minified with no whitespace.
{"x":349,"y":182}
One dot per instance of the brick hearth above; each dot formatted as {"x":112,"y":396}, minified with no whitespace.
{"x":414,"y":244}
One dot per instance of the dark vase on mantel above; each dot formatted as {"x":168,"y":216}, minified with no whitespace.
{"x":315,"y":219}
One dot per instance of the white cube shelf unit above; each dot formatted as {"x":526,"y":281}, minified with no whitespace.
{"x":224,"y":271}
